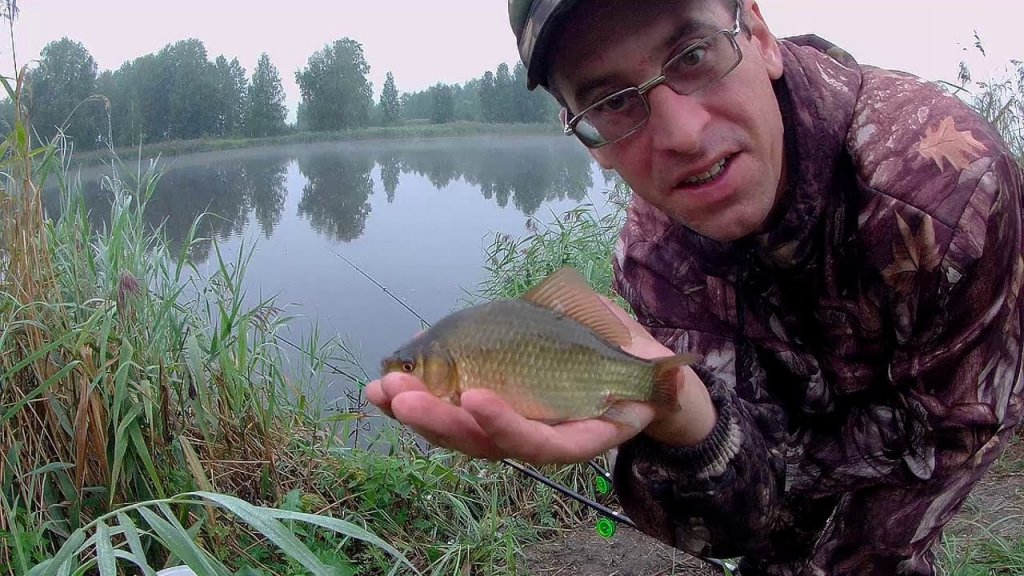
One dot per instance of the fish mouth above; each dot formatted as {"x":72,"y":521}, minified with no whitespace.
{"x":390,"y":364}
{"x":713,"y":172}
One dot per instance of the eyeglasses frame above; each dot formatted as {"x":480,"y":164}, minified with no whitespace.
{"x":569,"y":126}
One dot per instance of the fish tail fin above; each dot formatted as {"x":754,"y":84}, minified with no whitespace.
{"x":665,"y":389}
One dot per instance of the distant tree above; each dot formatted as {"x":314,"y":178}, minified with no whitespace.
{"x":390,"y":107}
{"x":64,"y":79}
{"x":467,"y":100}
{"x":7,"y":114}
{"x":531,"y":106}
{"x":504,"y":98}
{"x":266,"y":112}
{"x":139,"y":106}
{"x":417,"y":105}
{"x":443,"y":104}
{"x":189,"y":83}
{"x":334,"y":87}
{"x":488,"y":98}
{"x":232,"y":88}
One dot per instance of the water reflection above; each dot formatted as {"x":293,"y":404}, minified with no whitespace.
{"x":526,"y":174}
{"x":334,"y":184}
{"x":390,"y":172}
{"x":335,"y":196}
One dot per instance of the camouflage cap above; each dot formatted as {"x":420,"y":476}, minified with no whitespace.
{"x":532,"y":22}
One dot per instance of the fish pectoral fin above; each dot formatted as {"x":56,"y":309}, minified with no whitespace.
{"x":618,"y":414}
{"x":567,"y":293}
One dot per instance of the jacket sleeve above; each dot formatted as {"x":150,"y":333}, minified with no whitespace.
{"x":953,"y":285}
{"x":718,"y":497}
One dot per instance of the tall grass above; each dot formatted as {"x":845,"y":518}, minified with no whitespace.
{"x":583,"y":238}
{"x":129,"y":395}
{"x":147,"y":418}
{"x":1000,"y":99}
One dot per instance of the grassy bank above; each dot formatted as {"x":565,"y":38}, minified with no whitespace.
{"x":404,"y":132}
{"x":147,"y":420}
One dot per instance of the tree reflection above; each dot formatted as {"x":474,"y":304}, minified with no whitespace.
{"x":222,"y":191}
{"x":231,"y":189}
{"x":390,"y":170}
{"x":526,"y":173}
{"x":267,"y":192}
{"x":336,"y":196}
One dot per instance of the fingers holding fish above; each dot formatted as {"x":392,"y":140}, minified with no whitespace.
{"x":485,"y":426}
{"x":441,"y":423}
{"x":380,"y":392}
{"x":565,"y":443}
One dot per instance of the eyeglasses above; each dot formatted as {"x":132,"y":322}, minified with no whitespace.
{"x":618,"y":115}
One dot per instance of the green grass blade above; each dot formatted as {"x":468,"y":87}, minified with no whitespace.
{"x":51,"y":467}
{"x":59,"y":562}
{"x":340,"y":526}
{"x":105,"y":550}
{"x":14,"y":528}
{"x":262,"y":520}
{"x":121,"y":380}
{"x":177,"y":541}
{"x":143,"y":452}
{"x":131,"y":535}
{"x":121,"y":441}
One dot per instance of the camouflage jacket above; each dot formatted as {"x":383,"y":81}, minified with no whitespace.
{"x":863,"y":354}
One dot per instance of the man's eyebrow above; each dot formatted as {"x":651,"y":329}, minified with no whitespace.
{"x":691,"y":29}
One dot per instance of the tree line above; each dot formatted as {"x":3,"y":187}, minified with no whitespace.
{"x":180,"y":93}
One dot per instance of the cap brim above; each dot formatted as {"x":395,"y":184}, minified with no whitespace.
{"x":540,"y":25}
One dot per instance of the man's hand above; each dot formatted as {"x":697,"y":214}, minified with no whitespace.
{"x":484,"y":426}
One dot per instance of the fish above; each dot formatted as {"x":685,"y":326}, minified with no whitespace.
{"x":555,"y":355}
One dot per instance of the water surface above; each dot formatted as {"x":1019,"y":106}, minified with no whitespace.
{"x":416,"y":216}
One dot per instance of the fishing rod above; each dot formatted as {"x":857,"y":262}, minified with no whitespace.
{"x":606,"y":525}
{"x":336,"y":370}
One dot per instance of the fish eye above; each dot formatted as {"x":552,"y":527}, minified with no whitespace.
{"x":408,"y":366}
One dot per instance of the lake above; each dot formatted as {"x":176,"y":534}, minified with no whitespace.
{"x":416,"y":216}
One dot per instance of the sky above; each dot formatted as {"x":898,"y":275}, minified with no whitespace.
{"x":424,"y":42}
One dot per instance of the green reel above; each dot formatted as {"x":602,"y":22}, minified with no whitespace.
{"x":605,"y":527}
{"x":603,"y":485}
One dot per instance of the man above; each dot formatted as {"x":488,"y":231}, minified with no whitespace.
{"x":841,"y":244}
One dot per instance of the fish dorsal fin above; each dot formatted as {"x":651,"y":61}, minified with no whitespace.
{"x":567,"y":293}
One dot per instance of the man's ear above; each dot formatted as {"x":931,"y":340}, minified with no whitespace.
{"x":766,"y":43}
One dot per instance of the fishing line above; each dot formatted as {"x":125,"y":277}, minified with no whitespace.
{"x":379,"y":285}
{"x":336,"y":370}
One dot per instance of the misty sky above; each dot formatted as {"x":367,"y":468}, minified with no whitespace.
{"x":423,"y":42}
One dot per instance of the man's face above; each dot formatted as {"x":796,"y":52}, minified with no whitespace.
{"x":614,"y":44}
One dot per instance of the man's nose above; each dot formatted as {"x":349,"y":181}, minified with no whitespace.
{"x":677,"y":122}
